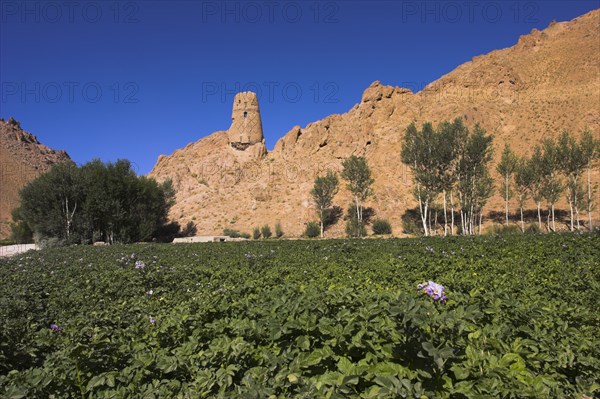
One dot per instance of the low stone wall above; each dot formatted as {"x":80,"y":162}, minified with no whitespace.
{"x":10,"y":250}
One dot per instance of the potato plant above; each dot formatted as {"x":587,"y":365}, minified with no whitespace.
{"x":304,"y":319}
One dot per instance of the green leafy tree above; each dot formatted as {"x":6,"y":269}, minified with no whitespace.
{"x":523,"y":177}
{"x":506,"y":168}
{"x":52,"y":204}
{"x":278,"y":230}
{"x":21,"y":233}
{"x":417,"y":153}
{"x":552,"y":186}
{"x":432,"y":156}
{"x":106,"y":201}
{"x":324,"y":189}
{"x":449,"y":138}
{"x":572,"y":163}
{"x":535,"y":166}
{"x":358,"y":175}
{"x":475,"y":185}
{"x":256,"y":233}
{"x":590,"y":149}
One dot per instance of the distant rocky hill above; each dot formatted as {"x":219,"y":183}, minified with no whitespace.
{"x":22,"y":158}
{"x":547,"y":82}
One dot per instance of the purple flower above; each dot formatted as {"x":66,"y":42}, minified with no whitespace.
{"x":433,"y":290}
{"x":152,"y":320}
{"x":139,"y":264}
{"x":55,"y":329}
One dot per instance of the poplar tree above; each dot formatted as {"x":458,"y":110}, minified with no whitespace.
{"x":590,"y":149}
{"x":535,"y":166}
{"x":552,"y":186}
{"x":523,"y":177}
{"x":506,"y":168}
{"x":358,"y":175}
{"x":572,"y":163}
{"x":324,"y":189}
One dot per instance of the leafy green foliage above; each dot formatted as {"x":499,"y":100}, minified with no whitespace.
{"x":357,"y":174}
{"x":323,"y":191}
{"x":235,"y":233}
{"x":507,"y":168}
{"x":312,"y":230}
{"x":256,"y":233}
{"x":96,"y":201}
{"x":304,"y":319}
{"x":381,"y":226}
{"x":278,"y":230}
{"x":266,"y":231}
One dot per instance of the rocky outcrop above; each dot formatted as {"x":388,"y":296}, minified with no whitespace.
{"x":547,"y":82}
{"x":22,"y":158}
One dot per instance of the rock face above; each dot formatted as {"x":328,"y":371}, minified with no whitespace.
{"x":22,"y":158}
{"x":549,"y":81}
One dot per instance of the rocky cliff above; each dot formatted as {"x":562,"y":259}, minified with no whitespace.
{"x":22,"y":158}
{"x":549,"y":81}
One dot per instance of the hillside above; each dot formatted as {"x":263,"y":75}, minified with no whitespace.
{"x":22,"y":158}
{"x":548,"y":81}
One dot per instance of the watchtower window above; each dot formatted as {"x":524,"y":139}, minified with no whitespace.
{"x":245,"y":114}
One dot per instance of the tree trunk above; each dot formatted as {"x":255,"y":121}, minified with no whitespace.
{"x":572,"y":216}
{"x":553,"y":224}
{"x":429,"y":220}
{"x":522,"y":223}
{"x":452,"y":215}
{"x":471,"y":220}
{"x":506,"y":198}
{"x":322,"y":229}
{"x":445,"y":216}
{"x":480,"y":220}
{"x":424,"y":219}
{"x":589,"y":202}
{"x":358,"y":216}
{"x":539,"y":216}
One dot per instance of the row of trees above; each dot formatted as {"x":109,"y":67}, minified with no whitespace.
{"x":95,"y":202}
{"x":452,"y":161}
{"x":555,"y":167}
{"x":447,"y":161}
{"x":357,"y":174}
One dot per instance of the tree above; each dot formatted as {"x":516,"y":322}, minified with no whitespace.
{"x":96,"y":201}
{"x":552,"y":186}
{"x":324,"y":189}
{"x":450,"y":136}
{"x":572,"y":163}
{"x":506,"y":168}
{"x":21,"y":233}
{"x":535,"y":167}
{"x":418,"y":147}
{"x":51,"y":204}
{"x":475,"y":185}
{"x":256,"y":233}
{"x":590,"y":149}
{"x":523,"y":177}
{"x":358,"y":175}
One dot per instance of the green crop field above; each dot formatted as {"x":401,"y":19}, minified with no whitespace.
{"x":304,"y":319}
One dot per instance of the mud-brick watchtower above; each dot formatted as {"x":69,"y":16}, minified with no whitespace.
{"x":246,"y":125}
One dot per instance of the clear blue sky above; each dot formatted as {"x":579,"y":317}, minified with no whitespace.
{"x":135,"y":79}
